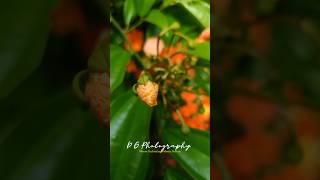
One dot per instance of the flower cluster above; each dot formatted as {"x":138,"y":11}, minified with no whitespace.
{"x":166,"y":69}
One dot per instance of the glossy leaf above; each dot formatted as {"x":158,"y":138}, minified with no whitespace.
{"x":143,"y":6}
{"x":157,"y":18}
{"x":201,"y":50}
{"x":39,"y":144}
{"x":118,"y":60}
{"x":172,"y":174}
{"x":130,"y":120}
{"x":196,"y":161}
{"x":128,"y":11}
{"x":23,"y":36}
{"x":167,"y":3}
{"x":199,"y":9}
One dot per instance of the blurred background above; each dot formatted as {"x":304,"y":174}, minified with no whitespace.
{"x":266,"y":93}
{"x":45,"y":131}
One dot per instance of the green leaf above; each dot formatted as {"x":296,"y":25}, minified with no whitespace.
{"x":128,"y":11}
{"x":167,"y":3}
{"x":157,"y":18}
{"x":201,"y":50}
{"x":199,"y":9}
{"x":118,"y":60}
{"x":130,"y":120}
{"x":196,"y":161}
{"x":39,"y":144}
{"x":202,"y":79}
{"x":143,"y":6}
{"x":23,"y":36}
{"x":172,"y":174}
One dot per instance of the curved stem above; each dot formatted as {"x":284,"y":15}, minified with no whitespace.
{"x":185,"y":129}
{"x":76,"y":85}
{"x":135,"y":25}
{"x":118,"y":27}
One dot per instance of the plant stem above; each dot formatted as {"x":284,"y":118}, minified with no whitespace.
{"x":158,"y":41}
{"x":135,"y":25}
{"x":185,"y":129}
{"x":189,"y":41}
{"x":171,"y":40}
{"x":118,"y":27}
{"x":76,"y":85}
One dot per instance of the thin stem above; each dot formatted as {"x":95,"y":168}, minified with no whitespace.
{"x":76,"y":85}
{"x":185,"y":129}
{"x":190,"y":41}
{"x":164,"y":99}
{"x":135,"y":25}
{"x":158,"y":41}
{"x":171,"y":40}
{"x":118,"y":27}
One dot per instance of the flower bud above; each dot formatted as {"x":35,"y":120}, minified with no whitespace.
{"x":148,"y":92}
{"x":97,"y":95}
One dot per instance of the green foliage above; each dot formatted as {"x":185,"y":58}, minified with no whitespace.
{"x":134,"y":8}
{"x":157,"y":18}
{"x":46,"y":135}
{"x":129,"y":11}
{"x":201,"y":50}
{"x":199,"y":9}
{"x":172,"y":174}
{"x":118,"y":60}
{"x":196,"y":161}
{"x":129,"y":121}
{"x":23,"y":37}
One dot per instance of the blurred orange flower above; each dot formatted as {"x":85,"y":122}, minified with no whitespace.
{"x":67,"y":17}
{"x":174,"y":53}
{"x":251,"y":112}
{"x":245,"y":155}
{"x":135,"y":37}
{"x":190,"y":111}
{"x":204,"y":36}
{"x":132,"y":68}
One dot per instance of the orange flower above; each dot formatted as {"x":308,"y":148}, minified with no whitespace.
{"x":245,"y":155}
{"x":67,"y":17}
{"x":172,"y":52}
{"x":307,"y":122}
{"x":251,"y":112}
{"x":135,"y":37}
{"x":204,"y":36}
{"x":188,"y":97}
{"x":132,"y":68}
{"x":190,"y":111}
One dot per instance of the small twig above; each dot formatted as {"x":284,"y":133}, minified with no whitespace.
{"x":158,"y":41}
{"x":171,"y":40}
{"x":135,"y":25}
{"x":185,"y":129}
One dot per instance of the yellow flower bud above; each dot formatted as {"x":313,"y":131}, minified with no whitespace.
{"x":148,"y":92}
